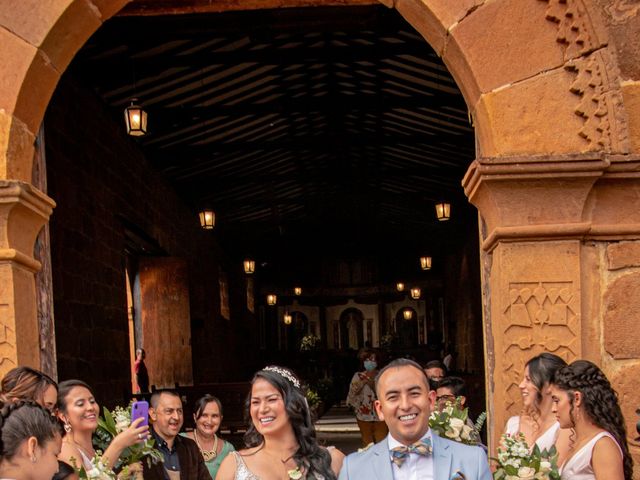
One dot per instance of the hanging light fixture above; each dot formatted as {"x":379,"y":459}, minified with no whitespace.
{"x":400,"y":286}
{"x":272,"y":299}
{"x":135,"y":119}
{"x":249,"y":266}
{"x":207,"y":218}
{"x":415,"y":293}
{"x":297,"y":291}
{"x":287,"y":318}
{"x":407,"y":314}
{"x":443,"y":211}
{"x":425,"y":263}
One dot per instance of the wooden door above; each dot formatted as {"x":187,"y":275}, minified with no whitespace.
{"x":166,"y":322}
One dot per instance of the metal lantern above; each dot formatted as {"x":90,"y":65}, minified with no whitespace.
{"x":272,"y":299}
{"x":207,"y":218}
{"x":407,"y":313}
{"x":135,"y":119}
{"x":425,"y":263}
{"x":249,"y":266}
{"x":297,"y":291}
{"x":400,"y":286}
{"x":415,"y":293}
{"x":287,"y":318}
{"x":443,"y":211}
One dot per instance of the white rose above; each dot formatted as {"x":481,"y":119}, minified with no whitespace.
{"x":545,"y":466}
{"x":466,"y":432}
{"x":94,"y":473}
{"x":526,"y":473}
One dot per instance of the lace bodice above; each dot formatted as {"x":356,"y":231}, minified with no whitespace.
{"x":242,"y":472}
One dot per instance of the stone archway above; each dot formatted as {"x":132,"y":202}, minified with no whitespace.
{"x":553,"y":88}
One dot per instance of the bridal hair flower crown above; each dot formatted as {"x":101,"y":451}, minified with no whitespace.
{"x":283,"y":373}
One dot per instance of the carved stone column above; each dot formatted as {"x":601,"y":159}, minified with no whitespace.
{"x":23,"y":212}
{"x":546,"y":224}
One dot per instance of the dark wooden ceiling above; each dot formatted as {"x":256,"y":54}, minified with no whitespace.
{"x":305,"y":129}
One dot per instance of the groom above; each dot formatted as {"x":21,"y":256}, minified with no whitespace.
{"x":412,"y":451}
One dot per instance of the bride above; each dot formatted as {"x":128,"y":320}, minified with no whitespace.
{"x":281,"y":440}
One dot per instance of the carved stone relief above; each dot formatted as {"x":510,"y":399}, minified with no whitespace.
{"x":539,"y":317}
{"x":597,"y":82}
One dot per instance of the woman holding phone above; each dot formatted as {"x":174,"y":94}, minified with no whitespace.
{"x":78,"y":410}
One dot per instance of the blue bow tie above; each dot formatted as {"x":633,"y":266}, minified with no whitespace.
{"x":401,"y":453}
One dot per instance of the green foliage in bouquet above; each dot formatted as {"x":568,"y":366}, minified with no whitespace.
{"x":116,"y":422}
{"x":452,"y":423}
{"x":516,"y":461}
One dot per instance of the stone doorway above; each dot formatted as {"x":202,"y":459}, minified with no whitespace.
{"x":554,"y":180}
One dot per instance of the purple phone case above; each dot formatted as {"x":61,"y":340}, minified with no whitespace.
{"x":140,"y":409}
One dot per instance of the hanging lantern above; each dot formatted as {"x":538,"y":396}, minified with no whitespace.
{"x":443,"y":211}
{"x":135,"y":119}
{"x":297,"y":291}
{"x":207,"y":218}
{"x":400,"y":286}
{"x":425,"y":263}
{"x":249,"y":266}
{"x":287,"y":318}
{"x":415,"y":293}
{"x":272,"y":299}
{"x":407,"y":314}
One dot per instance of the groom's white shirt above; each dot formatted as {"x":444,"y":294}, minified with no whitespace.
{"x":415,"y":467}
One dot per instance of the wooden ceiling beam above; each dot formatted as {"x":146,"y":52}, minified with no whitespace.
{"x":182,"y":7}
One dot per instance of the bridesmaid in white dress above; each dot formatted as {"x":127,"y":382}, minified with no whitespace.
{"x":584,"y":402}
{"x":537,"y":422}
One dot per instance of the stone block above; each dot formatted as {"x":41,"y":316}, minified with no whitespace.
{"x":15,"y":57}
{"x":536,"y":116}
{"x":631,"y":96}
{"x":16,"y":148}
{"x":621,"y":315}
{"x":504,"y":42}
{"x":626,"y":381}
{"x":623,"y":254}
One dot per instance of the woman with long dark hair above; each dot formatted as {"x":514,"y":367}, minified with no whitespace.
{"x":29,"y":442}
{"x":79,"y":411}
{"x":584,"y":402}
{"x":24,"y":383}
{"x":537,"y":421}
{"x":281,"y":441}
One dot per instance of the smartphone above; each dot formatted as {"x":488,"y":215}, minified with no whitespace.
{"x":140,"y":409}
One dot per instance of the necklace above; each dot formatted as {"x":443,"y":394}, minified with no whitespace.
{"x":208,"y":455}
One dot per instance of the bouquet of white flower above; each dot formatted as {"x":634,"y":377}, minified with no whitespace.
{"x":98,"y":471}
{"x":516,"y":461}
{"x":452,"y":423}
{"x":128,"y":464}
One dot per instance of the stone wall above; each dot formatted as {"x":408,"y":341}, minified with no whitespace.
{"x":102,"y":181}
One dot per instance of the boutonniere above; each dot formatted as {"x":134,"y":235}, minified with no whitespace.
{"x":458,"y":476}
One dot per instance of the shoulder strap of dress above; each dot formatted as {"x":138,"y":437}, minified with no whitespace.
{"x":600,"y":435}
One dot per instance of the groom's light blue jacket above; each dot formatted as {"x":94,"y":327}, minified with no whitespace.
{"x":449,"y":459}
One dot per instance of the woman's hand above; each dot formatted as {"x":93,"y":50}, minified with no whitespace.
{"x":135,"y":433}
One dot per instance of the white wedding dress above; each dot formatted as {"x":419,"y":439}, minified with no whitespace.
{"x":544,"y":441}
{"x":578,"y":467}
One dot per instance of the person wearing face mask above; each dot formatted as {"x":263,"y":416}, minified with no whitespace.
{"x":362,"y":394}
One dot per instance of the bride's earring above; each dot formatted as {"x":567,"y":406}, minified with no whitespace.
{"x":34,"y":459}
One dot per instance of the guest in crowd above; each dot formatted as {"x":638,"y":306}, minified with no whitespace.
{"x":141,"y":372}
{"x":79,"y":411}
{"x":24,"y":383}
{"x":448,"y":389}
{"x":435,"y":371}
{"x":281,"y":441}
{"x":30,"y":442}
{"x":207,"y":418}
{"x":361,"y":397}
{"x":182,"y":458}
{"x":537,"y":421}
{"x":584,"y":401}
